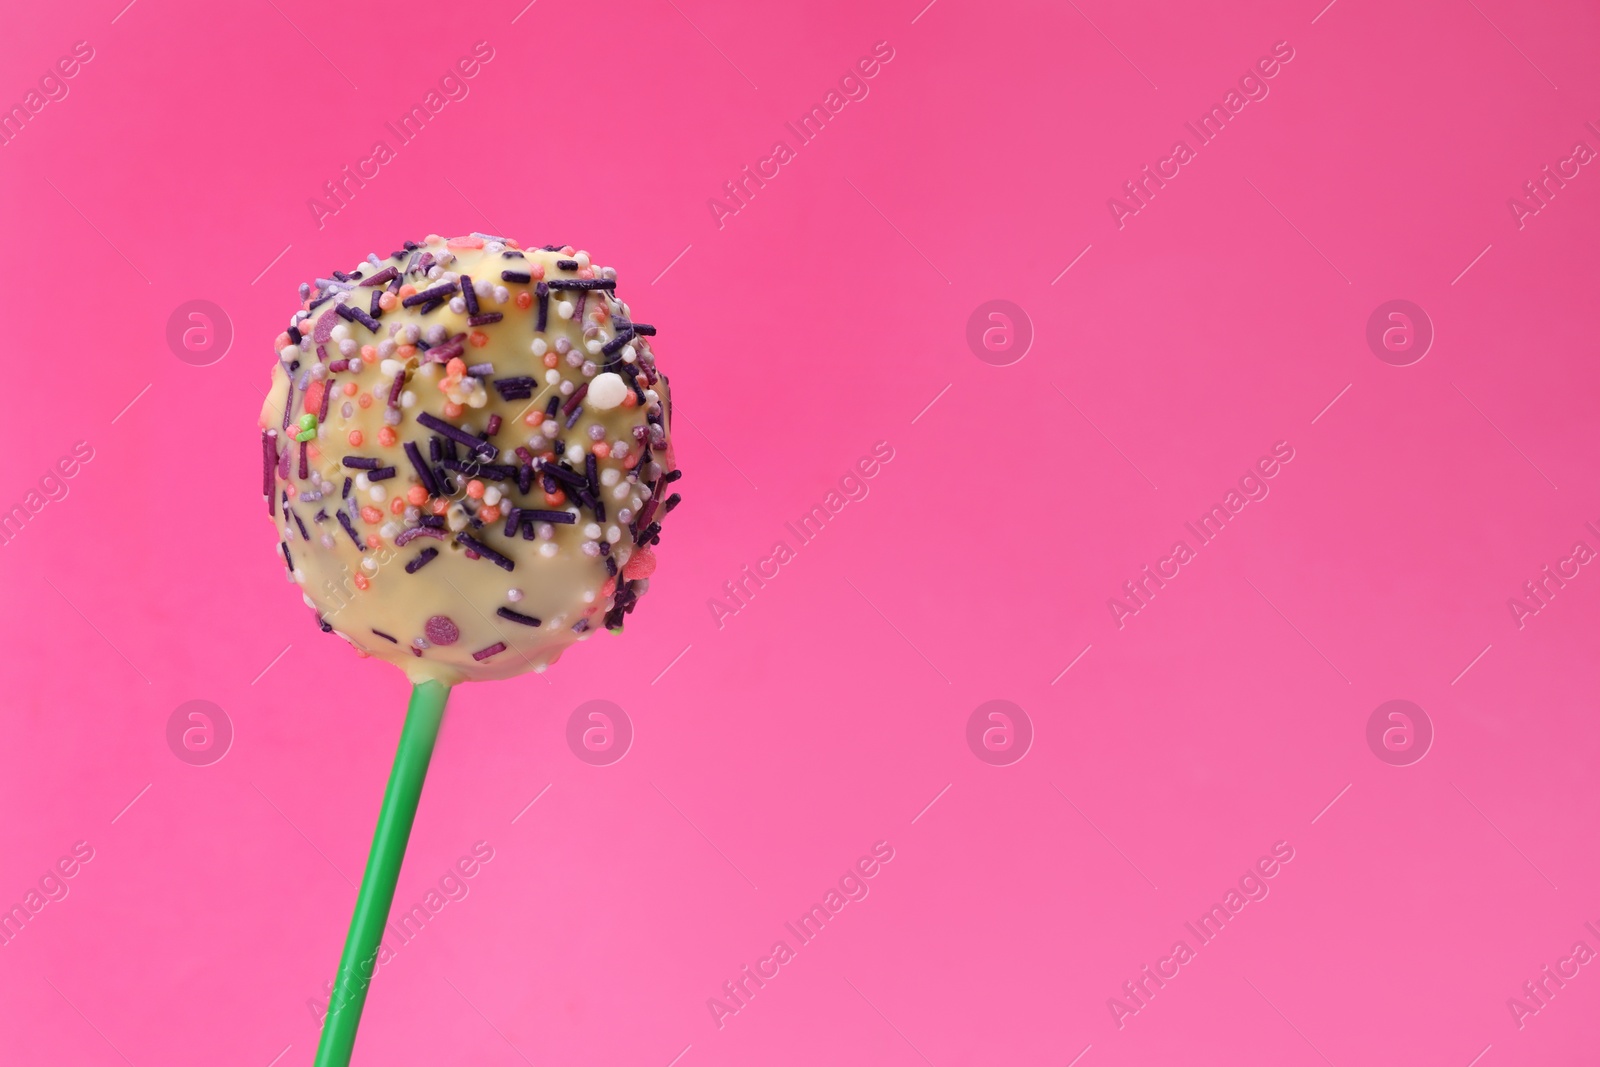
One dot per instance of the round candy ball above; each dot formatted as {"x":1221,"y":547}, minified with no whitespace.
{"x":467,"y":455}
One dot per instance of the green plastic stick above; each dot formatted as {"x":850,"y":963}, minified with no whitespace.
{"x":399,"y":810}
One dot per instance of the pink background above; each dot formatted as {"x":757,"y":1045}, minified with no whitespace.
{"x":826,"y":715}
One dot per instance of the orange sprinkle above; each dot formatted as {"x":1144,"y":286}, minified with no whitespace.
{"x":452,"y":411}
{"x":439,"y":506}
{"x":361,"y":581}
{"x":475,"y":489}
{"x":524,"y":301}
{"x":477,"y":338}
{"x":371,"y":515}
{"x":387,"y":437}
{"x":555,"y":499}
{"x":365,"y":400}
{"x":600,"y":449}
{"x":464,"y":242}
{"x":314,"y":393}
{"x":350,"y":388}
{"x":356,"y":438}
{"x":489,"y":513}
{"x":417,"y":495}
{"x":456,"y":367}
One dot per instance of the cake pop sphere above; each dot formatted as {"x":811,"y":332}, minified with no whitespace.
{"x":467,"y":454}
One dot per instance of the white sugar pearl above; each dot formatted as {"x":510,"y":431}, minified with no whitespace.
{"x":550,"y":428}
{"x":288,"y":353}
{"x":539,"y":346}
{"x":566,"y":388}
{"x":501,"y":294}
{"x":606,"y":391}
{"x":565,"y":309}
{"x":357,"y":365}
{"x":361,"y":481}
{"x":620,"y":492}
{"x":628,"y":354}
{"x":591,"y":531}
{"x":610,"y":476}
{"x":388,"y":530}
{"x":613,"y":534}
{"x":377,"y":494}
{"x":548,"y":549}
{"x":582,"y":258}
{"x":483,"y":286}
{"x":348,"y":347}
{"x":514,"y":595}
{"x":386,"y":348}
{"x":574,"y":454}
{"x":491,"y":495}
{"x":408,"y":399}
{"x":390,"y":367}
{"x":544,"y":531}
{"x":369,"y":565}
{"x":340,"y":332}
{"x":457,"y":305}
{"x":593,"y":347}
{"x":552,"y":376}
{"x":588,"y":596}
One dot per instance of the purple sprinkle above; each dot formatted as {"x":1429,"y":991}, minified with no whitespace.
{"x":324,"y":328}
{"x":269,"y":460}
{"x":543,"y":292}
{"x":339,"y":365}
{"x":435,"y":521}
{"x":642,"y":328}
{"x":581,"y":283}
{"x":493,"y":427}
{"x":305,"y":470}
{"x":431,"y":306}
{"x":394,"y":390}
{"x":494,"y":649}
{"x":378,"y":279}
{"x":376,"y":308}
{"x":288,"y":401}
{"x":410,"y":534}
{"x":469,"y":295}
{"x":442,"y":630}
{"x":517,"y":616}
{"x":415,"y":456}
{"x":380,"y":474}
{"x":574,"y":400}
{"x":380,"y":633}
{"x":567,"y":264}
{"x":288,"y":562}
{"x":485,"y":319}
{"x":456,"y":433}
{"x":346,"y":494}
{"x":413,"y":566}
{"x":617,"y":343}
{"x":481,"y":370}
{"x":515,"y":276}
{"x":361,"y":463}
{"x":344,"y":520}
{"x":353,"y":314}
{"x":327,"y":398}
{"x":558,"y":517}
{"x":438,"y":292}
{"x":513,"y":520}
{"x":485,"y":551}
{"x":298,"y":521}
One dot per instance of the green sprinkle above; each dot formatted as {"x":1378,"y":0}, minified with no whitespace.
{"x":305,"y":435}
{"x":308,"y":421}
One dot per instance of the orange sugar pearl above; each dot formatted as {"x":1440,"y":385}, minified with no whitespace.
{"x":456,"y":367}
{"x":489,"y":513}
{"x":397,"y":505}
{"x":440,"y":506}
{"x":630,"y":401}
{"x":631,"y":462}
{"x":551,"y":360}
{"x":371,"y":515}
{"x":350,"y":388}
{"x":477,"y":338}
{"x":533,"y":418}
{"x":361,"y":581}
{"x":586,"y":272}
{"x":369,"y":353}
{"x":387,"y":437}
{"x":475,"y":489}
{"x":600,"y":449}
{"x":387,"y":302}
{"x":555,"y":499}
{"x":536,"y":272}
{"x":524,"y":301}
{"x":407,"y":290}
{"x":416,"y":495}
{"x":365,"y":400}
{"x":356,"y":438}
{"x":405,"y":352}
{"x":281,"y":341}
{"x":452,"y":411}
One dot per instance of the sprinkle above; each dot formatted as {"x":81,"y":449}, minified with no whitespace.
{"x":344,"y":520}
{"x":288,"y":562}
{"x":422,"y":469}
{"x":378,"y":474}
{"x":520,"y":388}
{"x":298,"y":521}
{"x":534,"y":515}
{"x":517,"y":616}
{"x":567,"y":264}
{"x":672,"y":501}
{"x":357,"y":315}
{"x":485,"y":319}
{"x":561,"y":473}
{"x":423,"y":557}
{"x":378,"y":279}
{"x":571,"y":406}
{"x":269,"y":460}
{"x":581,"y":283}
{"x":494,"y":425}
{"x":410,"y":534}
{"x":515,"y":276}
{"x":642,"y":328}
{"x":380,"y":633}
{"x":442,"y":630}
{"x":346,"y":492}
{"x":497,"y":647}
{"x":542,"y":291}
{"x":361,"y":463}
{"x":485,"y":551}
{"x":438,"y":425}
{"x":437,"y":293}
{"x":305,"y":470}
{"x":480,"y":370}
{"x":617,"y":343}
{"x":469,"y":295}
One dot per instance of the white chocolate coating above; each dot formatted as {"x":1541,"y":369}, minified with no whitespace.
{"x":559,"y":575}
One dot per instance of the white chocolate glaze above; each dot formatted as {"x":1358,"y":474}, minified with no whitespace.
{"x":445,"y":616}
